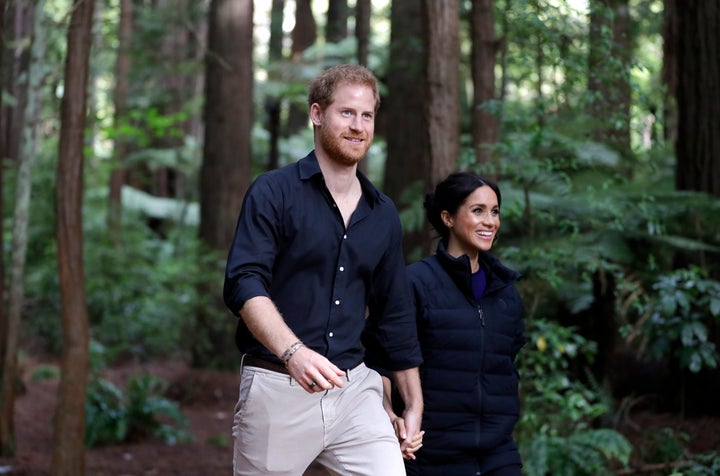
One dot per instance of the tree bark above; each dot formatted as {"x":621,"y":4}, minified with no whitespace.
{"x":273,"y":104}
{"x":304,"y":36}
{"x":408,"y":143}
{"x":363,"y":12}
{"x":670,"y":71}
{"x":227,"y":155}
{"x":20,"y":237}
{"x":609,"y":73}
{"x":423,"y":96}
{"x":122,"y":72}
{"x":484,"y":50}
{"x":68,"y":457}
{"x":20,"y":19}
{"x":443,"y":59}
{"x":698,"y":141}
{"x":337,"y":16}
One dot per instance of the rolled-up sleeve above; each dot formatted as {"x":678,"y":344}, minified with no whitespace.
{"x":391,"y":321}
{"x":248,"y":272}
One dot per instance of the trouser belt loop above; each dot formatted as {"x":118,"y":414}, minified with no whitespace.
{"x":351,"y":369}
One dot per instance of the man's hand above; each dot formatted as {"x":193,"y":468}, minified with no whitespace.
{"x":314,"y":372}
{"x":411,"y":444}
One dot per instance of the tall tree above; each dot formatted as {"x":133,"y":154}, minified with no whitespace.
{"x":609,"y":62}
{"x":670,"y":71}
{"x":227,"y":153}
{"x":408,"y":143}
{"x":443,"y":60}
{"x":422,"y":96}
{"x":28,"y":150}
{"x":304,"y":35}
{"x":363,"y":12}
{"x":122,"y":72}
{"x":698,"y":97}
{"x":68,"y":457}
{"x":484,"y":51}
{"x":273,"y":104}
{"x":20,"y":18}
{"x":336,"y":25}
{"x":6,"y":411}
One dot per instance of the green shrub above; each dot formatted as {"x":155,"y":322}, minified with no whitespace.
{"x":142,"y":412}
{"x":555,"y":433}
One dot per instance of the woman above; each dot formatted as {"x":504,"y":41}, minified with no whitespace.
{"x":470,"y":326}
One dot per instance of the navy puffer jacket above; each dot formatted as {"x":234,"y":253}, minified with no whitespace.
{"x":469,"y":379}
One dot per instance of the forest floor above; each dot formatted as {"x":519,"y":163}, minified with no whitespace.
{"x":207,"y":399}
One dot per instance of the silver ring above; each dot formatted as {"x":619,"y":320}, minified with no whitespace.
{"x":312,"y":384}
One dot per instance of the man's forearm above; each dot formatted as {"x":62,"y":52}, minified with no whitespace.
{"x":408,"y":384}
{"x":267,"y":325}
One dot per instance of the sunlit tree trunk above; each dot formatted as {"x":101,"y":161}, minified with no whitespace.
{"x":443,"y":59}
{"x":698,"y":93}
{"x":122,"y":71}
{"x":68,"y":457}
{"x":484,"y":52}
{"x":273,"y":104}
{"x":227,"y":155}
{"x":19,"y":235}
{"x":610,"y":53}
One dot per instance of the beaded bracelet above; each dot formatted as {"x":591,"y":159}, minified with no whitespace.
{"x":290,"y":351}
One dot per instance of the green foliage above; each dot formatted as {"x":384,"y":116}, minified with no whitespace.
{"x":141,"y":412}
{"x":663,"y":445}
{"x":554,"y":433}
{"x":700,"y":465}
{"x":677,"y":318}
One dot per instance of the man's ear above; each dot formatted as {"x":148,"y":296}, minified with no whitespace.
{"x":316,"y":114}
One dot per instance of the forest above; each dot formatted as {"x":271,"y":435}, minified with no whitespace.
{"x":131,"y":129}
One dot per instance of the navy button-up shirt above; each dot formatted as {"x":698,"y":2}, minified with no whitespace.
{"x":291,"y":245}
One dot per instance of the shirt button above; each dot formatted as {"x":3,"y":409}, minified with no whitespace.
{"x":337,"y":302}
{"x":342,"y":268}
{"x":331,"y":334}
{"x":344,"y":237}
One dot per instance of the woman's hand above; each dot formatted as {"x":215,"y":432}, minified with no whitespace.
{"x":401,"y":433}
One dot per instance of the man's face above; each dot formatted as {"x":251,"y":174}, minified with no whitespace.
{"x":345,"y":129}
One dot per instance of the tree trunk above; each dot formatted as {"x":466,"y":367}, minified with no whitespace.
{"x":304,"y":36}
{"x":7,"y":432}
{"x":20,"y":237}
{"x":443,"y":60}
{"x":20,"y":19}
{"x":68,"y":457}
{"x":698,"y":97}
{"x":227,"y":154}
{"x":273,"y":104}
{"x":122,"y":71}
{"x":408,"y":144}
{"x":609,"y":74}
{"x":363,"y":12}
{"x":670,"y":71}
{"x":484,"y":50}
{"x":336,"y":26}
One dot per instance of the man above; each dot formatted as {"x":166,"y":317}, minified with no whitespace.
{"x":316,"y":256}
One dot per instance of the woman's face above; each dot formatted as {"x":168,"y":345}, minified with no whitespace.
{"x":474,"y":225}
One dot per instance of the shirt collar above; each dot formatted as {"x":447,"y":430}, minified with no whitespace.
{"x":309,"y":168}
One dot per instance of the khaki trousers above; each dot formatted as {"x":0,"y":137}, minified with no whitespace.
{"x":279,"y":429}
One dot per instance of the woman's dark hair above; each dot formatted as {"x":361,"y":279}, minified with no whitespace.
{"x":450,"y":194}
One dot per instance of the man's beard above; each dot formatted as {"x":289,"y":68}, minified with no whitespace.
{"x":339,"y":150}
